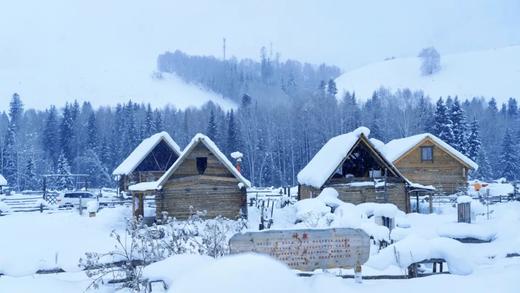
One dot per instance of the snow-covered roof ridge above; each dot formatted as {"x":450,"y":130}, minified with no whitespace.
{"x":142,"y":150}
{"x":396,"y":148}
{"x":201,"y":138}
{"x":3,"y":182}
{"x":328,"y":158}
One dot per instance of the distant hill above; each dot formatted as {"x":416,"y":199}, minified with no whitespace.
{"x":488,"y":73}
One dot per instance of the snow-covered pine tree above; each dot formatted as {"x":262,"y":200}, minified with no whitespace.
{"x":473,"y":140}
{"x":458,"y":126}
{"x":157,"y":122}
{"x":51,"y":137}
{"x":350,"y":112}
{"x":92,"y":133}
{"x":64,"y":182}
{"x":442,"y":123}
{"x":332,"y":90}
{"x":10,"y":157}
{"x":509,"y":159}
{"x":67,"y":133}
{"x":30,"y":180}
{"x":148,"y":125}
{"x":233,"y":134}
{"x":212,"y":130}
{"x":15,"y":112}
{"x":484,"y":171}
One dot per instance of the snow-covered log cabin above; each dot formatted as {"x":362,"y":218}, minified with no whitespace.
{"x":428,"y":160}
{"x":353,"y":165}
{"x":202,"y":179}
{"x":148,"y":161}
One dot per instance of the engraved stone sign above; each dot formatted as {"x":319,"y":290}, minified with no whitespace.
{"x":308,"y":249}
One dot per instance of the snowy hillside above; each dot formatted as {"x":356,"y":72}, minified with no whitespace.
{"x":101,"y":84}
{"x":489,"y":73}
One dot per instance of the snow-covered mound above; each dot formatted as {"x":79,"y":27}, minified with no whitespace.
{"x":415,"y":249}
{"x":488,"y":73}
{"x":174,"y":267}
{"x":250,"y":273}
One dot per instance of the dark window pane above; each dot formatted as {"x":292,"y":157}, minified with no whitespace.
{"x":202,"y":164}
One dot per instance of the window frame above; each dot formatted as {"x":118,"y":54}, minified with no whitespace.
{"x":422,"y":153}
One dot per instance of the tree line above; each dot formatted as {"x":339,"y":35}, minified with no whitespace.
{"x":278,"y":134}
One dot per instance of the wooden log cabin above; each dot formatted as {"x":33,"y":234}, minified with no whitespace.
{"x":428,"y":160}
{"x":202,"y":179}
{"x":351,"y":164}
{"x":148,"y":161}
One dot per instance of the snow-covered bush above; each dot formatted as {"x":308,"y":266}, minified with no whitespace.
{"x":141,"y":245}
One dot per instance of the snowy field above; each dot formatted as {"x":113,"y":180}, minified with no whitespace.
{"x":35,"y":241}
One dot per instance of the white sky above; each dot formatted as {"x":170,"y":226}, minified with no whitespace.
{"x":101,"y":50}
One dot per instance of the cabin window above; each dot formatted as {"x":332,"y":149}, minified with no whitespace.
{"x":202,"y":164}
{"x":427,"y":154}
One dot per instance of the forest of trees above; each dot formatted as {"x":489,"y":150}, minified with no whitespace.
{"x":284,"y":114}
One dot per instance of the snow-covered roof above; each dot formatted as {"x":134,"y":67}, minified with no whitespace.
{"x":3,"y":182}
{"x":200,"y":138}
{"x":328,"y":158}
{"x":142,"y":151}
{"x":396,"y":148}
{"x":143,"y":186}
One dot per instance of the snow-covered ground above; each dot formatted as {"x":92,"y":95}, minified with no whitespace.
{"x":488,"y":73}
{"x":34,"y":241}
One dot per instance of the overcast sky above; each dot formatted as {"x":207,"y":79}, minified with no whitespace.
{"x":58,"y":37}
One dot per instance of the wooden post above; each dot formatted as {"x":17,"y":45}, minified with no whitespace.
{"x":464,"y":212}
{"x":431,"y":203}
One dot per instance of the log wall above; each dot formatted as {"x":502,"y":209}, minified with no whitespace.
{"x":395,"y":194}
{"x":216,"y":191}
{"x":445,"y":172}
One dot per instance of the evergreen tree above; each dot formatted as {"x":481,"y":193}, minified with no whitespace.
{"x":233,"y":135}
{"x":148,"y":122}
{"x":67,"y":133}
{"x":484,"y":171}
{"x":92,"y":133}
{"x":509,"y":160}
{"x":63,"y":168}
{"x":30,"y":180}
{"x":458,"y":126}
{"x":350,"y":112}
{"x":473,"y":141}
{"x":442,"y":123}
{"x":332,"y":90}
{"x":157,"y":122}
{"x":15,"y":112}
{"x":10,"y":157}
{"x":51,"y":137}
{"x":212,"y":130}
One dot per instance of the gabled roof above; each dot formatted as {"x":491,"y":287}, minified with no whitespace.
{"x":212,"y":147}
{"x":333,"y":154}
{"x":3,"y":182}
{"x":396,"y":149}
{"x":143,"y":150}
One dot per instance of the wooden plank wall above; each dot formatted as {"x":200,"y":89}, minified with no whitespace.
{"x":216,"y":191}
{"x":396,"y":194}
{"x":445,"y":172}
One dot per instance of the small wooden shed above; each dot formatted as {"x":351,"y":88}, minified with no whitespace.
{"x":428,"y":160}
{"x":148,"y":161}
{"x":353,"y":165}
{"x":202,"y":179}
